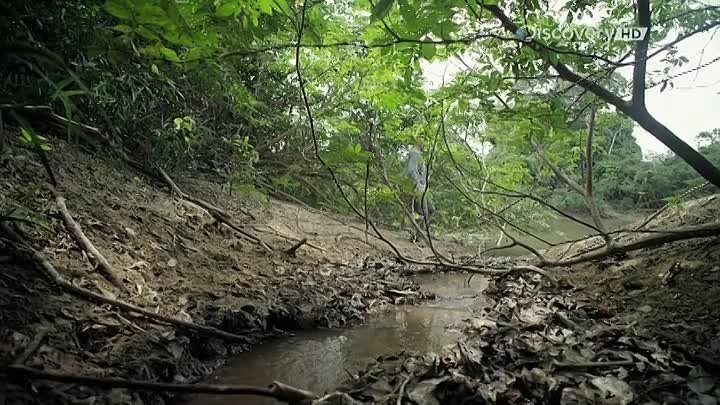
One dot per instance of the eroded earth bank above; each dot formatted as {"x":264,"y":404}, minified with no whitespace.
{"x":640,"y":327}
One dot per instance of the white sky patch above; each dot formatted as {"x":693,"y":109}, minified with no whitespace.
{"x":689,"y":108}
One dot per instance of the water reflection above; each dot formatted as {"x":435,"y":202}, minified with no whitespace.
{"x":318,"y":360}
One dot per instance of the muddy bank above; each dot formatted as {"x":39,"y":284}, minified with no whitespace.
{"x":176,"y":261}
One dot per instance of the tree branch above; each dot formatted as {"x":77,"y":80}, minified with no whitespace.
{"x":657,"y":239}
{"x":558,"y":172}
{"x":277,"y":390}
{"x":316,"y":146}
{"x":640,"y":115}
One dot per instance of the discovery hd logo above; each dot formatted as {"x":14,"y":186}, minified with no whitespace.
{"x":573,"y":34}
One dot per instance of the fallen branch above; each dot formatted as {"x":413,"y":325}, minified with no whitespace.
{"x":402,"y":389}
{"x":78,"y":235}
{"x":666,"y":206}
{"x":566,"y":321}
{"x":218,"y":213}
{"x":277,"y":390}
{"x":282,"y":235}
{"x":594,"y":364}
{"x":294,"y":248}
{"x":506,"y":272}
{"x":657,"y":239}
{"x":55,"y":277}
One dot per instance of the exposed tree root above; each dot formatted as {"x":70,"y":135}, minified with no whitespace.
{"x":55,"y":276}
{"x":79,"y":236}
{"x":277,"y":390}
{"x":218,"y":213}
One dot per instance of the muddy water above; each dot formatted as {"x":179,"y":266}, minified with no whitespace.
{"x":318,"y":360}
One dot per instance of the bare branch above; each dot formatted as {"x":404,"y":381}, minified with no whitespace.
{"x":277,"y":390}
{"x":558,"y":172}
{"x":657,"y":239}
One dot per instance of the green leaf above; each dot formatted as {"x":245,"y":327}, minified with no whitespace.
{"x":408,"y":13}
{"x":124,"y":28}
{"x":26,"y":137}
{"x":283,"y":6}
{"x":118,"y":8}
{"x":169,"y":54}
{"x":427,"y":50}
{"x":146,"y":33}
{"x":155,"y":15}
{"x":266,"y":6}
{"x":70,"y":93}
{"x":228,"y":9}
{"x":382,"y":8}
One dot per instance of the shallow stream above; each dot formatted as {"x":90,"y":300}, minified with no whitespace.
{"x":320,"y":360}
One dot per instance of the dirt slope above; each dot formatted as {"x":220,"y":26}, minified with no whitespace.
{"x":175,"y":261}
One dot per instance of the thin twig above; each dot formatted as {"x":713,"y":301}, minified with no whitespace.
{"x":294,"y":248}
{"x":666,"y":206}
{"x":277,"y":390}
{"x":316,"y":146}
{"x":594,"y":364}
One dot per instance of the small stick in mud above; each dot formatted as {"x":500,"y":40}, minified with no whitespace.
{"x":594,"y":364}
{"x":566,"y":321}
{"x":294,"y":248}
{"x":277,"y":390}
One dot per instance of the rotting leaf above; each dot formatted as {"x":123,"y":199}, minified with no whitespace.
{"x":614,"y":391}
{"x":424,"y":392}
{"x":700,"y":381}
